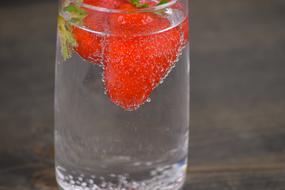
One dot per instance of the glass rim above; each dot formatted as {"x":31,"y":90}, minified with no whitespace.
{"x":111,"y":10}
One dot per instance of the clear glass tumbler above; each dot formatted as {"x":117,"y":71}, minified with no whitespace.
{"x":122,"y":94}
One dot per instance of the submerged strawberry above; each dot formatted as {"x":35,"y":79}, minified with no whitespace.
{"x":111,"y":4}
{"x":137,"y":56}
{"x":185,"y":23}
{"x":185,"y":30}
{"x":135,"y":65}
{"x":89,"y":44}
{"x":135,"y":23}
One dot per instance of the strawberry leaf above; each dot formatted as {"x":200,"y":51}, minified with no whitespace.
{"x":143,"y":5}
{"x":135,"y":1}
{"x":163,"y":2}
{"x":162,"y":12}
{"x":75,"y":13}
{"x":67,"y":41}
{"x":138,"y":4}
{"x":72,"y":13}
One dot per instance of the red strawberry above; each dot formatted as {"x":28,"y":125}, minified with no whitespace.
{"x":111,"y":4}
{"x":89,"y":44}
{"x":135,"y":65}
{"x":185,"y":23}
{"x":185,"y":30}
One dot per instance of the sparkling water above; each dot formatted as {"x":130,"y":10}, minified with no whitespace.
{"x":101,"y":146}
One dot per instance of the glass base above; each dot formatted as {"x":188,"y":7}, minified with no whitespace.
{"x":170,"y":177}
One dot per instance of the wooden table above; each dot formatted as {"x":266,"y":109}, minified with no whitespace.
{"x":237,"y":139}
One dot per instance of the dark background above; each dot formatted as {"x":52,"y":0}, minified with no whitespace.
{"x":237,"y":139}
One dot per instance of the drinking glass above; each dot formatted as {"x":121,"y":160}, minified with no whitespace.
{"x":122,"y":94}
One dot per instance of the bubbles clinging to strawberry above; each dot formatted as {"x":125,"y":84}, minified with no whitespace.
{"x":137,"y":49}
{"x":135,"y":65}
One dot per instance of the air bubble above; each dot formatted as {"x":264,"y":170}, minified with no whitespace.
{"x":104,"y":184}
{"x":93,"y":176}
{"x":153,"y":173}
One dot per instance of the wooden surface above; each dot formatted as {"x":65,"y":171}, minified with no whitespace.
{"x":237,"y":139}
